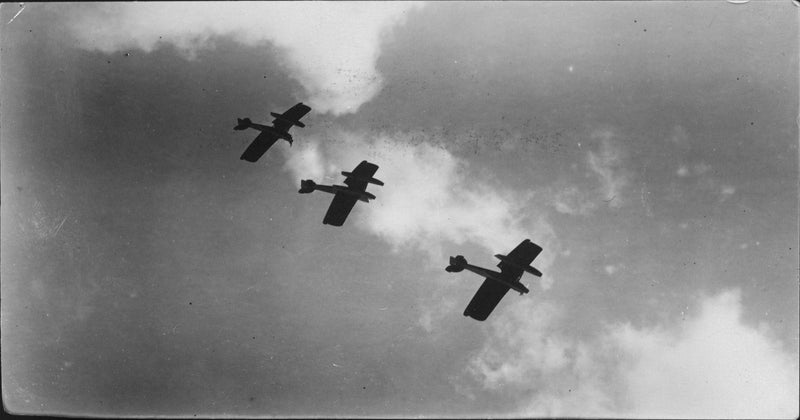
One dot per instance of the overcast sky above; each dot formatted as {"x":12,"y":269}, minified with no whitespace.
{"x":649,"y":148}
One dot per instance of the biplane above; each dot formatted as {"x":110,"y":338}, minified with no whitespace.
{"x":345,"y":196}
{"x":270,"y":134}
{"x":497,"y":284}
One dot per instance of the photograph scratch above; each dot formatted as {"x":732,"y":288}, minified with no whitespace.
{"x":17,"y":14}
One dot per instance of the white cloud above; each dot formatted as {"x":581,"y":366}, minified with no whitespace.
{"x":710,"y":365}
{"x":546,"y":282}
{"x":697,"y":170}
{"x":705,"y":181}
{"x":606,"y":163}
{"x":713,"y":366}
{"x":435,"y":308}
{"x":610,"y":269}
{"x":529,"y":359}
{"x":331,"y":48}
{"x":701,"y":168}
{"x":679,"y":135}
{"x":726,"y":191}
{"x":430,"y":198}
{"x":432,"y":202}
{"x":571,"y":200}
{"x":521,"y":357}
{"x":305,"y":162}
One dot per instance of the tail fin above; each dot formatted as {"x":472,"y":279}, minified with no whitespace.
{"x":307,"y":186}
{"x":457,"y":264}
{"x":243,"y":124}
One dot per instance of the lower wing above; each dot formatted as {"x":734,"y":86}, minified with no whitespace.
{"x":339,"y":209}
{"x":488,"y":296}
{"x":259,"y":146}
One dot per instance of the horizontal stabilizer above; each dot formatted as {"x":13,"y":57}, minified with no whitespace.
{"x":242,"y":124}
{"x":307,"y":186}
{"x":457,"y":264}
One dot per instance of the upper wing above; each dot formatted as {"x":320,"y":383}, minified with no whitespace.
{"x":485,"y":300}
{"x":364,"y":170}
{"x":259,"y":146}
{"x":522,"y":256}
{"x":339,"y":209}
{"x":294,"y":113}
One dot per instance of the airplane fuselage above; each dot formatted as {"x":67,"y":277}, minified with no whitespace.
{"x":278,"y":133}
{"x":333,"y":189}
{"x":498,"y":277}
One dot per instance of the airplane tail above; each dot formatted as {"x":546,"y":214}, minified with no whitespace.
{"x":307,"y":186}
{"x":457,"y":264}
{"x":243,"y":124}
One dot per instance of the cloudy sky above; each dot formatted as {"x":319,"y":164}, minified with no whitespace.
{"x":649,"y":148}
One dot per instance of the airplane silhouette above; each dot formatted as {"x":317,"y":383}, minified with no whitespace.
{"x":269,"y":135}
{"x":345,"y":197}
{"x":497,"y":284}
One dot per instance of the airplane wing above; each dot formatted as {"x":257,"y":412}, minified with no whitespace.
{"x":522,"y":256}
{"x":488,"y":296}
{"x":364,"y":170}
{"x":339,"y":209}
{"x":259,"y":146}
{"x":294,"y":113}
